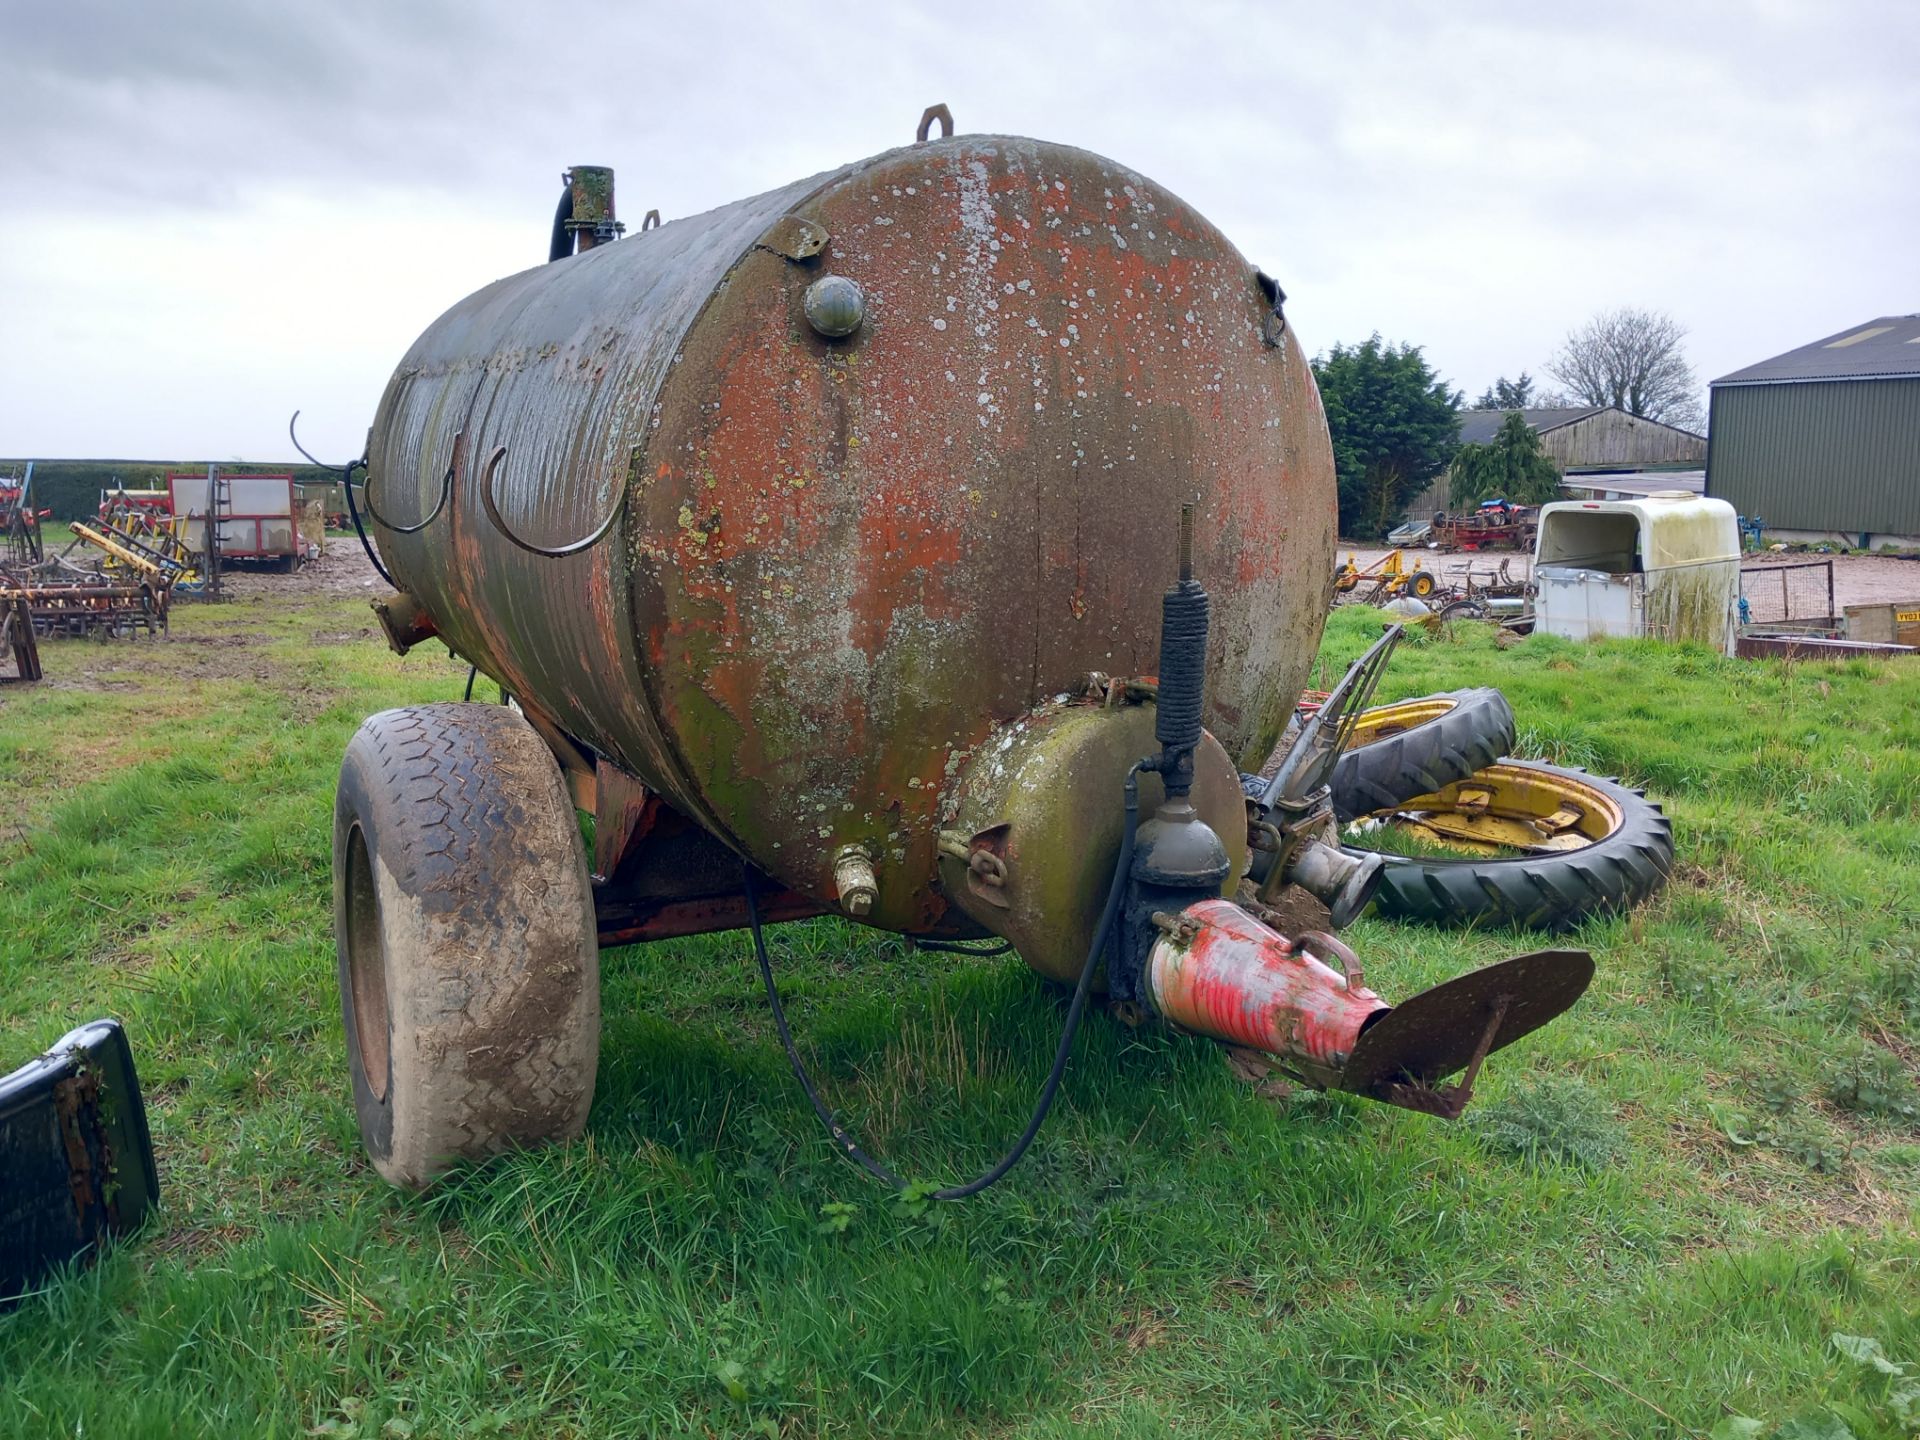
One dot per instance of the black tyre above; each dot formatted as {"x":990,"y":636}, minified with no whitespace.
{"x":469,"y":968}
{"x":1415,"y":747}
{"x":1603,"y":847}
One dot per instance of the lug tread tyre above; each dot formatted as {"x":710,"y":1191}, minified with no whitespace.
{"x":1473,"y":733}
{"x":1551,"y":891}
{"x":470,"y":895}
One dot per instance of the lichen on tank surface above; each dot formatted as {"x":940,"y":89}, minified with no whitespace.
{"x":841,"y":563}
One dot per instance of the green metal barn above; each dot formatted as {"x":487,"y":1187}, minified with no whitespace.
{"x":1823,"y":442}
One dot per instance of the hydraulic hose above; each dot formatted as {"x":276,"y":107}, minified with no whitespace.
{"x":561,"y":245}
{"x":846,"y":1143}
{"x":359,"y":527}
{"x":346,"y":484}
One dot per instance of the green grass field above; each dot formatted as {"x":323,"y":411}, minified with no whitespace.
{"x":1659,"y":1213}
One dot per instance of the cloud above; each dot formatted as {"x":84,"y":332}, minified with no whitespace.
{"x":212,"y":209}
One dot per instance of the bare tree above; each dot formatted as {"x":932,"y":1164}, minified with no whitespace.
{"x":1631,"y":358}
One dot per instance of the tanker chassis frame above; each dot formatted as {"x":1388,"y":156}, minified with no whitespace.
{"x":1169,"y":947}
{"x":847,"y":645}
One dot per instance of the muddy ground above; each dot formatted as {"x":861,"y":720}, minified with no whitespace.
{"x":234,"y":645}
{"x":342,"y":570}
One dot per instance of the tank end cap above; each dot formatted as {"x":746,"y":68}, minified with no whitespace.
{"x":835,"y":306}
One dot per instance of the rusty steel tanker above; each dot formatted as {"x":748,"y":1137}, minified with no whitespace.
{"x":937,"y":541}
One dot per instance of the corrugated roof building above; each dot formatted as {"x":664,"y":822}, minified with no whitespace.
{"x":1579,"y":439}
{"x":1823,"y":442}
{"x":1594,"y":437}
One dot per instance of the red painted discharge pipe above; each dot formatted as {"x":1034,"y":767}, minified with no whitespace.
{"x":1237,"y":980}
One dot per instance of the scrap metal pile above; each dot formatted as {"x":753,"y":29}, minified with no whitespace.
{"x":115,"y":580}
{"x":1492,"y":525}
{"x":19,"y":522}
{"x":1489,"y":592}
{"x":1466,"y":835}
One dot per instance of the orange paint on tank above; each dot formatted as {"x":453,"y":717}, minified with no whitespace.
{"x":841,"y":563}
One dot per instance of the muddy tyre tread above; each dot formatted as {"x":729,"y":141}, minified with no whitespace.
{"x":485,"y":919}
{"x":1472,"y":735}
{"x":1554,"y":891}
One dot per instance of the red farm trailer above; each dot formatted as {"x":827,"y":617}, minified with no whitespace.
{"x":258,"y":516}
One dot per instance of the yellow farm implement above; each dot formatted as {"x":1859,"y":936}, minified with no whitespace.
{"x":1385,"y":579}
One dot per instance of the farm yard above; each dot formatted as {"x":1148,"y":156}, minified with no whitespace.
{"x":1655,"y":1220}
{"x":1857,"y":579}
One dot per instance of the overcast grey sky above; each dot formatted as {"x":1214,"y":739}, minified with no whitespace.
{"x":213,"y":212}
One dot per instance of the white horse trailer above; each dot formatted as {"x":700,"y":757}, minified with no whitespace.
{"x":1666,"y":566}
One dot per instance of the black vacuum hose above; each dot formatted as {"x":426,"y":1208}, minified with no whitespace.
{"x":561,"y":246}
{"x":845,"y":1142}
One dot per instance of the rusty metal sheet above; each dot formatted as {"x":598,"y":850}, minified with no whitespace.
{"x":1454,"y":1025}
{"x":793,"y":238}
{"x":1813,"y":647}
{"x":562,"y":365}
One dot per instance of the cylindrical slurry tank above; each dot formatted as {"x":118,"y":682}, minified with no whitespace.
{"x":829,"y":568}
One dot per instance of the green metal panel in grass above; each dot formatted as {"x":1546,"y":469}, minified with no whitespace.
{"x":1839,"y":455}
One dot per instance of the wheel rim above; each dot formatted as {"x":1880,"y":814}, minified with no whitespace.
{"x":1386,"y":720}
{"x":1509,"y":807}
{"x":367,"y":966}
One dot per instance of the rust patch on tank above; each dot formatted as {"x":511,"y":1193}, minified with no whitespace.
{"x":912,"y":535}
{"x":843,"y":562}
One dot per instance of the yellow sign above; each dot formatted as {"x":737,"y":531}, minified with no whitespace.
{"x":1903,"y":616}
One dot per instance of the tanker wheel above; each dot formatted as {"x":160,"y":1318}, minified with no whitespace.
{"x":468,"y":962}
{"x":1538,"y":846}
{"x":1415,"y":747}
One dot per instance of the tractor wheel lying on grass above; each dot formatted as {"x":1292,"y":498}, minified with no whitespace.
{"x":1415,"y":747}
{"x":1589,"y":847}
{"x":469,"y":968}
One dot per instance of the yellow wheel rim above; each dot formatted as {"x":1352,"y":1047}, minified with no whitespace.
{"x":1385,"y":720}
{"x":1511,"y":807}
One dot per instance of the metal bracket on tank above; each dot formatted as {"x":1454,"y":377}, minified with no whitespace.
{"x":1273,"y":328}
{"x":795,"y":238}
{"x":446,"y":490}
{"x":559,"y":552}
